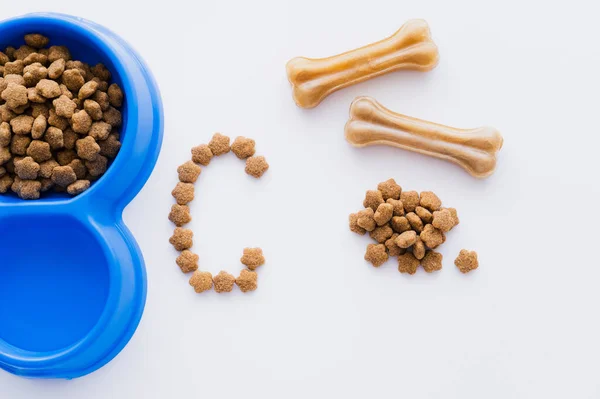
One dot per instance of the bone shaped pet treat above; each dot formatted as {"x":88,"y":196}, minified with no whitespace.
{"x":474,"y":149}
{"x":410,"y":48}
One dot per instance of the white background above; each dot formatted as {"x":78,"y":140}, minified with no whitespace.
{"x":324,"y":323}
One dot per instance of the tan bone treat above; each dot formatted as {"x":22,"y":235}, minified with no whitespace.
{"x":466,"y":261}
{"x":473,"y":149}
{"x":410,"y":48}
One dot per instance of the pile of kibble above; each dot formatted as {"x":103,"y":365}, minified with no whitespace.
{"x":408,"y":225}
{"x":59,"y":120}
{"x":182,"y":238}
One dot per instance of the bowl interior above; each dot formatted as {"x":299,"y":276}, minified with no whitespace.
{"x":54,"y":281}
{"x":83,"y":47}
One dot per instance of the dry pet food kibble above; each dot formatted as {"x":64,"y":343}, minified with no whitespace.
{"x":243,"y":147}
{"x":223,"y":282}
{"x":247,"y":280}
{"x":219,"y":144}
{"x":58,"y":116}
{"x":256,"y":166}
{"x":466,"y":261}
{"x":201,"y":281}
{"x":252,"y":258}
{"x":187,"y":261}
{"x":182,"y":239}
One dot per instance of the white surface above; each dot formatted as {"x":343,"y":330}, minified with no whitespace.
{"x":324,"y":323}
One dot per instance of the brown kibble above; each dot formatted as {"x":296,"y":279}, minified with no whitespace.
{"x":36,"y":40}
{"x":187,"y":261}
{"x":87,"y":90}
{"x":400,"y":224}
{"x":432,"y":261}
{"x":252,"y":258}
{"x":432,"y":237}
{"x":81,"y":122}
{"x":256,"y":166}
{"x":398,"y":206}
{"x":19,"y":144}
{"x":46,"y":185}
{"x":112,"y":116}
{"x":183,"y":193}
{"x":65,"y":157}
{"x":376,"y":254}
{"x":381,"y":234}
{"x":93,"y":109}
{"x":21,"y":124}
{"x":34,"y":97}
{"x":466,"y":261}
{"x":64,"y":106}
{"x":419,"y":249}
{"x":410,"y":199}
{"x":115,"y":95}
{"x":202,"y":154}
{"x":47,"y":167}
{"x":70,"y":138}
{"x":97,"y":167}
{"x":5,"y":155}
{"x":27,"y":168}
{"x":424,"y":214}
{"x":11,"y":78}
{"x":56,"y":69}
{"x":223,"y":282}
{"x":430,"y":201}
{"x":102,"y":99}
{"x":99,"y":130}
{"x":110,"y":147}
{"x":101,"y":72}
{"x":243,"y":147}
{"x":454,"y":214}
{"x":6,"y":114}
{"x":22,"y":52}
{"x":48,"y":88}
{"x":383,"y":214}
{"x":389,"y":189}
{"x":182,"y":239}
{"x":29,"y":189}
{"x":79,"y":168}
{"x":87,"y":148}
{"x":63,"y":176}
{"x":415,"y":222}
{"x":36,"y":58}
{"x":57,"y":121}
{"x":406,"y":239}
{"x":54,"y":137}
{"x":392,"y":247}
{"x":15,"y":96}
{"x":38,"y":128}
{"x":247,"y":280}
{"x":407,"y":263}
{"x":188,"y":172}
{"x":14,"y":68}
{"x":180,"y":215}
{"x":73,"y":79}
{"x":40,"y":109}
{"x":366,"y":219}
{"x":56,"y":52}
{"x":33,"y":73}
{"x":5,"y":134}
{"x":201,"y":281}
{"x":219,"y":144}
{"x":443,"y":220}
{"x":78,"y":187}
{"x":373,"y":199}
{"x":66,"y":92}
{"x":5,"y":182}
{"x":353,"y":223}
{"x":39,"y":151}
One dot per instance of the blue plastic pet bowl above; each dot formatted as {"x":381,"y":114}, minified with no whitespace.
{"x":72,"y":277}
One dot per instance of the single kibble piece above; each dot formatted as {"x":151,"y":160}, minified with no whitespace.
{"x":56,"y":69}
{"x":252,"y":258}
{"x":78,"y":187}
{"x":19,"y":145}
{"x":410,"y":200}
{"x":93,"y":109}
{"x":14,"y":68}
{"x":102,"y":99}
{"x":454,"y":214}
{"x":366,"y":219}
{"x":189,"y":172}
{"x":33,"y":73}
{"x":424,"y":214}
{"x":5,"y":155}
{"x":101,"y":72}
{"x":27,"y":168}
{"x":63,"y":176}
{"x":415,"y":222}
{"x":22,"y":124}
{"x":432,"y":237}
{"x":98,"y":166}
{"x":256,"y":166}
{"x":100,"y":130}
{"x":57,"y":121}
{"x":5,"y":134}
{"x":432,"y":261}
{"x":219,"y":144}
{"x":34,"y":97}
{"x":443,"y":220}
{"x":202,"y":154}
{"x":70,"y":138}
{"x":180,"y":215}
{"x":419,"y":249}
{"x":36,"y":40}
{"x":54,"y":137}
{"x":383,"y":214}
{"x":187,"y":261}
{"x":392,"y":247}
{"x":40,"y":109}
{"x":111,"y":146}
{"x":353,"y":222}
{"x":56,"y":52}
{"x":183,"y":193}
{"x":64,"y":106}
{"x":47,"y":167}
{"x":15,"y":96}
{"x":400,"y":224}
{"x":430,"y":201}
{"x":115,"y":95}
{"x":30,"y":189}
{"x":73,"y":80}
{"x":81,"y":122}
{"x":201,"y":281}
{"x":39,"y":127}
{"x":87,"y":90}
{"x":376,"y":254}
{"x":48,"y":88}
{"x":79,"y":168}
{"x":406,"y":239}
{"x":243,"y":147}
{"x":39,"y":151}
{"x":182,"y":239}
{"x":407,"y":263}
{"x":373,"y":198}
{"x":112,"y":116}
{"x":223,"y":282}
{"x":381,"y":234}
{"x":398,"y":206}
{"x":247,"y":280}
{"x":466,"y":261}
{"x":87,"y":148}
{"x":65,"y":157}
{"x":389,"y":189}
